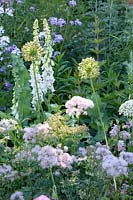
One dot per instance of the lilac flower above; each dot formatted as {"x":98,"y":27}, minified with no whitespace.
{"x":78,"y":22}
{"x":32,"y":8}
{"x":114,"y":130}
{"x":61,"y":22}
{"x":9,"y":11}
{"x":17,"y":196}
{"x":57,"y":38}
{"x":124,"y":135}
{"x":72,"y":3}
{"x":128,"y":125}
{"x":114,"y":166}
{"x":2,"y":70}
{"x":56,"y":53}
{"x":127,"y":156}
{"x":3,"y":108}
{"x":53,"y":20}
{"x":7,"y":85}
{"x":19,"y":1}
{"x":121,"y":145}
{"x":58,"y":22}
{"x":13,"y":50}
{"x":72,"y":23}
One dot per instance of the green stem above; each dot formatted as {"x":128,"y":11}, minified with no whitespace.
{"x":54,"y":186}
{"x":40,"y":109}
{"x":99,"y":113}
{"x":114,"y":179}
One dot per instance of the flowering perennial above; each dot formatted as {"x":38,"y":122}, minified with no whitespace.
{"x":127,"y":108}
{"x":8,"y":125}
{"x":78,"y":105}
{"x":88,"y":68}
{"x":50,"y":156}
{"x":17,"y":196}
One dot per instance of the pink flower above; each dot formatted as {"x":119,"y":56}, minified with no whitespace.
{"x":42,"y":197}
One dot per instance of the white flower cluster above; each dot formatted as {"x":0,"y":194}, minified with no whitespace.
{"x":7,"y":173}
{"x":4,"y":41}
{"x":17,"y":196}
{"x":45,"y":77}
{"x":48,"y":63}
{"x":31,"y":132}
{"x":127,"y":108}
{"x":78,"y":105}
{"x":113,"y":165}
{"x":50,"y":156}
{"x":36,"y":84}
{"x":7,"y":125}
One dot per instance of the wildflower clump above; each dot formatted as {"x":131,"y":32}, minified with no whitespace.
{"x":88,"y":68}
{"x":127,"y":108}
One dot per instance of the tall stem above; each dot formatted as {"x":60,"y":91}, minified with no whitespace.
{"x":114,"y":179}
{"x":99,"y":113}
{"x":55,"y":194}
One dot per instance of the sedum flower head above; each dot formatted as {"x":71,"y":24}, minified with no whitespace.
{"x":32,"y":51}
{"x":88,"y":68}
{"x":127,"y":108}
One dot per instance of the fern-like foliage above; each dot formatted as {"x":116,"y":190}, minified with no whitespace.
{"x":21,"y":107}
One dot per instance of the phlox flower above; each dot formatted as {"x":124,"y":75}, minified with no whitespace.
{"x":78,"y":105}
{"x":42,"y":197}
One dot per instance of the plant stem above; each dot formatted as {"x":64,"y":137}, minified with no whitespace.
{"x":114,"y":179}
{"x":54,"y":186}
{"x":99,"y":113}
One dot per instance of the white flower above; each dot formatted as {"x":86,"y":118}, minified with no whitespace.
{"x":9,"y":11}
{"x":4,"y":41}
{"x":1,"y":10}
{"x":1,"y":30}
{"x":127,"y":108}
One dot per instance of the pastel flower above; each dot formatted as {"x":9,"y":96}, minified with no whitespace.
{"x":53,"y":20}
{"x":58,"y":38}
{"x":127,"y":108}
{"x":17,"y":196}
{"x":88,"y":68}
{"x":72,"y":3}
{"x":78,"y":22}
{"x":42,"y":197}
{"x":78,"y":105}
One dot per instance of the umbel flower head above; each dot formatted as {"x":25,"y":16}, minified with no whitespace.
{"x":32,"y":51}
{"x":127,"y":108}
{"x":88,"y":68}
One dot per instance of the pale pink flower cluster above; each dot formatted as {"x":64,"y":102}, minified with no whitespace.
{"x":7,"y":172}
{"x":50,"y":156}
{"x":78,"y":105}
{"x":31,"y":132}
{"x":8,"y":125}
{"x":42,"y":197}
